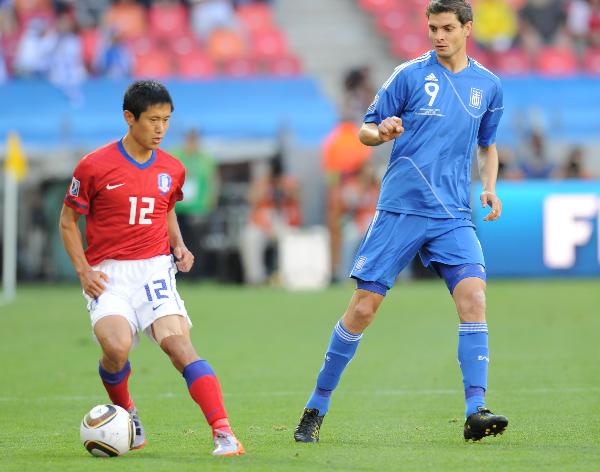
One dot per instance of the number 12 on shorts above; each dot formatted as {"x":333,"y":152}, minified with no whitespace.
{"x":158,"y":286}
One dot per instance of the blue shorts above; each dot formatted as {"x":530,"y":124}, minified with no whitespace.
{"x":393,"y":240}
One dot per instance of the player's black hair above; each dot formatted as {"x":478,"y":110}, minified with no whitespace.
{"x":142,"y":94}
{"x":462,"y":9}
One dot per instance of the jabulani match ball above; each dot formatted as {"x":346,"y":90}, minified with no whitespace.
{"x":107,"y":431}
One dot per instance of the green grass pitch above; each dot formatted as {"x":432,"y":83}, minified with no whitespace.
{"x":399,"y":405}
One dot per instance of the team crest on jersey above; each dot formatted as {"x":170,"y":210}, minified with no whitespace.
{"x":74,"y":190}
{"x":164,"y":183}
{"x":476,"y":98}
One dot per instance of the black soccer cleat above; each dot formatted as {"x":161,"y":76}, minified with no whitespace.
{"x":484,"y":423}
{"x":310,"y":424}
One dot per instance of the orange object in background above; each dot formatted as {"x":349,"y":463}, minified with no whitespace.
{"x":342,"y":150}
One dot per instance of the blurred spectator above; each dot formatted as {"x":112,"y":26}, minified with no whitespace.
{"x":209,"y":15}
{"x":343,"y":154}
{"x":578,"y":23}
{"x":507,"y":165}
{"x":67,"y":70}
{"x":89,"y":12}
{"x":113,"y":58}
{"x":574,"y":166}
{"x":542,"y":23}
{"x":199,"y":195}
{"x":359,"y":194}
{"x":533,"y":160}
{"x":127,"y":18}
{"x":34,"y":52}
{"x":594,"y":25}
{"x":358,"y":93}
{"x":496,"y":25}
{"x":201,"y":182}
{"x":274,"y":206}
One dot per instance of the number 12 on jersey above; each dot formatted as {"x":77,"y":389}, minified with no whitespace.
{"x":144,"y":210}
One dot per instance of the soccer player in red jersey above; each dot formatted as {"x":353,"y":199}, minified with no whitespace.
{"x":127,"y":192}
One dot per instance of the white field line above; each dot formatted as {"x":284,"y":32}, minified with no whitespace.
{"x":346,"y":392}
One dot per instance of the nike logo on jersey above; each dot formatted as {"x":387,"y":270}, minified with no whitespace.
{"x":154,"y":308}
{"x":431,"y":78}
{"x":111,"y":187}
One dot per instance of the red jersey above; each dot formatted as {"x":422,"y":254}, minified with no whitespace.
{"x":125,"y":202}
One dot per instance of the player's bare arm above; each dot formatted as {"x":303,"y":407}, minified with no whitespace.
{"x":487,"y":161}
{"x":185,"y":259}
{"x":92,"y":281}
{"x":371,"y":134}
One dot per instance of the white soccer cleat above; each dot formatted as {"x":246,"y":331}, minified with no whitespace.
{"x":226,"y":444}
{"x":139,"y":440}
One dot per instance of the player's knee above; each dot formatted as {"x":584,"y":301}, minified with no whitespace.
{"x":471,"y":306}
{"x":363,"y":313}
{"x":116,"y":350}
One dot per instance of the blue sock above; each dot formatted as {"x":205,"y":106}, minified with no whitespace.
{"x":473,"y":357}
{"x":342,"y":347}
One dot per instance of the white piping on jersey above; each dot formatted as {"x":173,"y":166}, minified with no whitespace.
{"x":401,"y":67}
{"x":460,"y":99}
{"x":481,"y":66}
{"x":428,"y":184}
{"x":372,"y":224}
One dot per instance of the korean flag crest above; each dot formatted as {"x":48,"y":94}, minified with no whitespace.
{"x":74,"y":190}
{"x":164,"y":183}
{"x":476,"y":98}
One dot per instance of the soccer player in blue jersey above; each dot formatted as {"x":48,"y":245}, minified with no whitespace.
{"x":435,"y":108}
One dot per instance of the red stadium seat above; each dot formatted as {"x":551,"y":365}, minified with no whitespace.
{"x":268,"y":44}
{"x":374,"y":6}
{"x":409,"y":45}
{"x":285,"y":66}
{"x":240,"y":67}
{"x":512,"y":62}
{"x":256,"y":16}
{"x":554,"y":61}
{"x":225,"y":45}
{"x":184,"y":44}
{"x":591,"y":62}
{"x":194,"y":65}
{"x":156,"y":65}
{"x":394,"y":22}
{"x":167,"y":21}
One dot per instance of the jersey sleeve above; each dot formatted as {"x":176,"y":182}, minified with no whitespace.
{"x":491,"y":119}
{"x":177,"y":194}
{"x":390,"y":100}
{"x":81,"y":191}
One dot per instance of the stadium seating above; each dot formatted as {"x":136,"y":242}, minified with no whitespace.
{"x":256,"y":46}
{"x":512,"y":62}
{"x":554,"y":61}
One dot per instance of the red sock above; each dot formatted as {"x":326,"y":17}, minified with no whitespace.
{"x":206,"y":392}
{"x":116,"y":385}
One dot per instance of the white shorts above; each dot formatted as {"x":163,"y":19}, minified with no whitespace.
{"x":141,"y":291}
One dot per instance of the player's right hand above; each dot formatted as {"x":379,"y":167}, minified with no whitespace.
{"x":390,"y":128}
{"x":92,"y":282}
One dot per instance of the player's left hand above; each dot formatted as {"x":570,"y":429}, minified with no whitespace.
{"x":184,"y":258}
{"x":491,"y":199}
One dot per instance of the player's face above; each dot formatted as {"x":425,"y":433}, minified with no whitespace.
{"x":448,"y":36}
{"x":150,"y":128}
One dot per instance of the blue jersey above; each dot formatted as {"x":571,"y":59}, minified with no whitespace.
{"x":443,"y":115}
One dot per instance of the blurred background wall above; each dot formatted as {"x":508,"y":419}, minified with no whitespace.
{"x":268,"y":99}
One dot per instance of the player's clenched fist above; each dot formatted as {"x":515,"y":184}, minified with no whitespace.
{"x":390,"y":128}
{"x":184,"y":258}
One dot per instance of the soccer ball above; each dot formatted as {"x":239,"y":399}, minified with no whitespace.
{"x":107,"y":431}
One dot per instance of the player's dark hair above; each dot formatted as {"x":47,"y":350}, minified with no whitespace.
{"x":462,"y":9}
{"x":142,"y":94}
